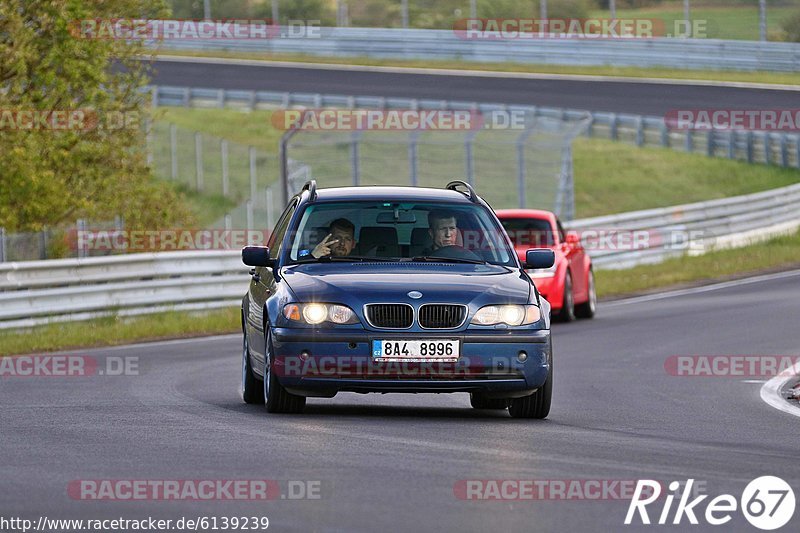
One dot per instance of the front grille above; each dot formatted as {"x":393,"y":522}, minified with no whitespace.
{"x":442,"y":316}
{"x":390,"y":316}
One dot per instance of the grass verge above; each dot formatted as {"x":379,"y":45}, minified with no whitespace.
{"x":780,"y":78}
{"x":114,"y":330}
{"x":775,"y":254}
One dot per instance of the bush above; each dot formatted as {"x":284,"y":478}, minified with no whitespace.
{"x":791,"y":28}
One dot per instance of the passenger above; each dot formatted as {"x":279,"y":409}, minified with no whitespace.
{"x":340,"y":240}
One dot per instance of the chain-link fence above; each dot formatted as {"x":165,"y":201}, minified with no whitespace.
{"x":528,"y":165}
{"x":75,"y":240}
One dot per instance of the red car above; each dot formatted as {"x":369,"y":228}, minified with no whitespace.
{"x":569,"y":284}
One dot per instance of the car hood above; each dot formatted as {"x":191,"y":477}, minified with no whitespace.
{"x":355,"y":284}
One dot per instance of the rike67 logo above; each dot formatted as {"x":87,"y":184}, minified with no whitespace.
{"x":767,"y":502}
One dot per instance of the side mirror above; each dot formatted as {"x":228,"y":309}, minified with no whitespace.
{"x":257,"y":256}
{"x":539,"y":258}
{"x":573,"y":239}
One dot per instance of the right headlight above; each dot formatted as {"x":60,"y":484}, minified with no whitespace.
{"x":317,"y":313}
{"x":512,"y":315}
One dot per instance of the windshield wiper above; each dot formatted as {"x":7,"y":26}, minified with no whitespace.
{"x":435,"y":259}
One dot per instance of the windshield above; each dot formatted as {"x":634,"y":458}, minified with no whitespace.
{"x":399,"y":231}
{"x":529,"y":232}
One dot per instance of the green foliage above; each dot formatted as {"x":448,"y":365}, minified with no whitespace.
{"x":791,"y":28}
{"x":52,"y":175}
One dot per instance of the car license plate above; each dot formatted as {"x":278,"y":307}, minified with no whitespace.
{"x":423,"y":350}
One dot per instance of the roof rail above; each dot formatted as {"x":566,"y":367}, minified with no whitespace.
{"x":311,"y":187}
{"x":472,"y":195}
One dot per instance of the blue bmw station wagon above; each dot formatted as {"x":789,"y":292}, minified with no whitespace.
{"x":394,"y":289}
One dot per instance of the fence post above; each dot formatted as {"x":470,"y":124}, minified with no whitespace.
{"x":198,"y":159}
{"x":173,"y":151}
{"x":80,"y":224}
{"x":355,"y":169}
{"x":225,"y":178}
{"x":767,"y":148}
{"x":469,"y":157}
{"x":412,"y":157}
{"x":249,"y":214}
{"x":3,"y":256}
{"x":731,"y":144}
{"x":797,"y":151}
{"x":148,"y":137}
{"x":252,"y":154}
{"x":749,"y":146}
{"x":521,"y":171}
{"x":689,"y":142}
{"x":711,"y":143}
{"x":228,"y":224}
{"x":43,"y":244}
{"x":664,"y":134}
{"x":270,"y":218}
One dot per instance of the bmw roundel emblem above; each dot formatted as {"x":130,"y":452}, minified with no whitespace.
{"x":415,"y":294}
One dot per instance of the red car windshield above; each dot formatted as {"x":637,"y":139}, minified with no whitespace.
{"x":529,"y":232}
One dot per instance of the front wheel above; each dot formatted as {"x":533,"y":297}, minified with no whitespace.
{"x":589,"y":308}
{"x":537,"y":405}
{"x":252,"y":389}
{"x":277,"y":398}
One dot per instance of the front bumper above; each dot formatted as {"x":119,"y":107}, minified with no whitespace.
{"x":323,"y":362}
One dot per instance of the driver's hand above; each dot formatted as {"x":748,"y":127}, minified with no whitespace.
{"x":324,"y":248}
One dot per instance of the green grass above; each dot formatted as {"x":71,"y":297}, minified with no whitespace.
{"x":779,"y":253}
{"x":783,"y":78}
{"x":610,"y":177}
{"x":110,"y":331}
{"x":722,"y":21}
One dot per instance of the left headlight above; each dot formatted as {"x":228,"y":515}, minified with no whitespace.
{"x":513,"y":315}
{"x":317,"y":313}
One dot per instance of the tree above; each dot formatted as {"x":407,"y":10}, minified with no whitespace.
{"x":49,"y":175}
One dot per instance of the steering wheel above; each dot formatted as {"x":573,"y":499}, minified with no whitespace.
{"x":455,"y":252}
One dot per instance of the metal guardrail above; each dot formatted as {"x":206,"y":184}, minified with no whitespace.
{"x":39,"y":292}
{"x":776,"y":148}
{"x":395,"y":43}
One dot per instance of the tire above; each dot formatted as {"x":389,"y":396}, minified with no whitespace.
{"x":588,"y":308}
{"x":278,"y":399}
{"x":252,"y":388}
{"x":479,"y":401}
{"x":567,"y":312}
{"x":537,"y":405}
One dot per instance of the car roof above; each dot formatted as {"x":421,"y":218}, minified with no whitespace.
{"x":525,"y":213}
{"x":379,"y":193}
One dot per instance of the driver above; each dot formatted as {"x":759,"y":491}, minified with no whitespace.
{"x":340,"y":240}
{"x":443,"y":229}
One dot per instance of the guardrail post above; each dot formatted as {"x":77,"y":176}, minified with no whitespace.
{"x":187,"y":97}
{"x":664,"y":134}
{"x":80,"y":224}
{"x":251,"y":151}
{"x":253,"y":101}
{"x":590,"y":126}
{"x":689,"y":141}
{"x":3,"y":257}
{"x":797,"y":151}
{"x":710,"y":143}
{"x":221,"y":98}
{"x":750,"y":137}
{"x":784,"y":151}
{"x":613,"y":133}
{"x":731,"y":144}
{"x":225,"y":177}
{"x":355,"y":169}
{"x":767,"y":148}
{"x":198,"y":160}
{"x":154,"y":96}
{"x":412,"y":157}
{"x":639,"y":131}
{"x":173,"y":151}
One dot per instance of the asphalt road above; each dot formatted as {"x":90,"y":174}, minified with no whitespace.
{"x":390,"y":462}
{"x":622,"y":97}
